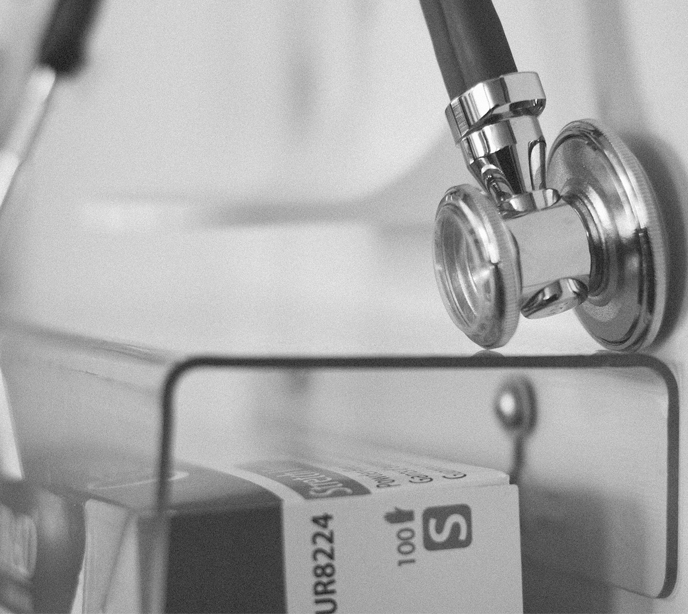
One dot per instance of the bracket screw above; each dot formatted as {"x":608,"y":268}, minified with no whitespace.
{"x":514,"y":405}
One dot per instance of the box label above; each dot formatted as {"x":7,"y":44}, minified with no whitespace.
{"x":436,"y":536}
{"x":309,"y":481}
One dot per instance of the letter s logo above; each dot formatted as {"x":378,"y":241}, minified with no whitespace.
{"x":446,"y":527}
{"x":444,"y":534}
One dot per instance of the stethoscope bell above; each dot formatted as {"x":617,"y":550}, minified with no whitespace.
{"x":586,"y":234}
{"x":476,"y":267}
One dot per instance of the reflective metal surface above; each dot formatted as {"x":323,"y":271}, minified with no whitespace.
{"x":596,"y":173}
{"x":476,"y":266}
{"x":510,"y":95}
{"x":515,"y":406}
{"x":586,"y":233}
{"x":32,"y":109}
{"x":489,"y":268}
{"x":552,"y":245}
{"x":495,"y":124}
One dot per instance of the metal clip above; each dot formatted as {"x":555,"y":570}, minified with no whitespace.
{"x":515,"y":407}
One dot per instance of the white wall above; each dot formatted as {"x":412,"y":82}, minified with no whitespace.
{"x":192,"y":115}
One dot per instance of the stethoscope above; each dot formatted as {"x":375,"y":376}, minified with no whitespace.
{"x":579,"y":230}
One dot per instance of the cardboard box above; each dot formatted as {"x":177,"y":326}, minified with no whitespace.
{"x":345,"y":534}
{"x":319,"y":536}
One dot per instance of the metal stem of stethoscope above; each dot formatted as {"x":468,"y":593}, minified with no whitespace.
{"x":25,"y":127}
{"x":60,"y":54}
{"x":580,"y":229}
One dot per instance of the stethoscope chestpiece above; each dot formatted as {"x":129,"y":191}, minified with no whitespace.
{"x":581,"y":230}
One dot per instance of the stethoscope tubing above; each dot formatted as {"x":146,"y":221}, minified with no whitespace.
{"x":469,"y":42}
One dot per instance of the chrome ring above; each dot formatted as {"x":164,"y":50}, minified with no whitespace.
{"x":476,"y":267}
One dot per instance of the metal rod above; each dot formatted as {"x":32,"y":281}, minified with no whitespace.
{"x":31,"y":112}
{"x":61,"y":54}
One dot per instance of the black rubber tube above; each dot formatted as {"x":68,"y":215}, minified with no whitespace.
{"x":63,"y":44}
{"x":469,"y":41}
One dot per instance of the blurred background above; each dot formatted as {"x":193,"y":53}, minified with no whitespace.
{"x":258,"y":176}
